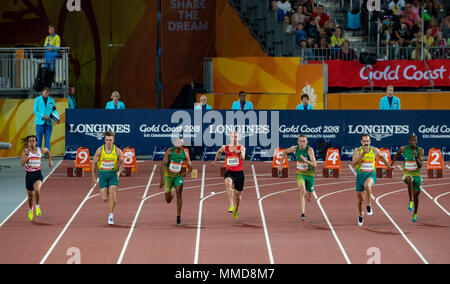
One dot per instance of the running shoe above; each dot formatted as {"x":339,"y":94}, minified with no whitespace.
{"x":369,"y":211}
{"x":303,"y":217}
{"x":110,"y":221}
{"x":414,"y":219}
{"x":410,"y":207}
{"x":30,"y":215}
{"x":235,"y":213}
{"x":178,"y":220}
{"x":38,"y":211}
{"x":231,"y":209}
{"x":360,"y":220}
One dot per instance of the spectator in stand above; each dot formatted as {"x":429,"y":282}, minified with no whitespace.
{"x":445,"y":27}
{"x":310,"y":7}
{"x":440,"y":12}
{"x":401,"y":32}
{"x":417,"y":52}
{"x":298,"y":17}
{"x":395,"y":7}
{"x":428,"y":39}
{"x":432,"y":24}
{"x":441,"y":52}
{"x":390,"y":102}
{"x":312,"y":29}
{"x":288,"y":28}
{"x":416,"y":31}
{"x":285,"y":6}
{"x":338,"y":38}
{"x":52,"y":44}
{"x":115,"y":103}
{"x":71,"y":97}
{"x":242,"y":103}
{"x":305,"y":103}
{"x":300,"y":34}
{"x":324,"y":52}
{"x":346,"y":53}
{"x":305,"y":52}
{"x":386,"y":32}
{"x":323,"y":18}
{"x":411,"y":13}
{"x":203,"y":104}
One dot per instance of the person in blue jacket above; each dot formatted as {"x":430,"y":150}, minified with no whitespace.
{"x":305,"y":103}
{"x":115,"y":103}
{"x":242,"y":104}
{"x":45,"y":111}
{"x":203,"y":104}
{"x":71,"y":98}
{"x":390,"y":102}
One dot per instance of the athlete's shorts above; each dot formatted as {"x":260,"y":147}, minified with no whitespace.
{"x":238,"y":179}
{"x":31,"y":178}
{"x":307,"y":181}
{"x":107,"y":179}
{"x":361,"y":179}
{"x":171,"y":182}
{"x":417,"y":181}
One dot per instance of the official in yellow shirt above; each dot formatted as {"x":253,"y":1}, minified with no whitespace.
{"x":52,"y":44}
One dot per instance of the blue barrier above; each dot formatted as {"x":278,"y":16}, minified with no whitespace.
{"x":150,"y":130}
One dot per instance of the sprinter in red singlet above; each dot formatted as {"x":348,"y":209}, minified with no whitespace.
{"x":234,"y":176}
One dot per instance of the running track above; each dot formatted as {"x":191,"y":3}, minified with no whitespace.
{"x":268,"y":229}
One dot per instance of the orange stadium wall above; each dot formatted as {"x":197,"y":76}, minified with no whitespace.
{"x":408,"y":101}
{"x":17,"y":121}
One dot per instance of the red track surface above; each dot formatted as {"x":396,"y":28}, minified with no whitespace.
{"x":329,"y":235}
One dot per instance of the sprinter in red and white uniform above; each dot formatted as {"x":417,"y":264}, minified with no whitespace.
{"x":31,"y":158}
{"x":234,"y":176}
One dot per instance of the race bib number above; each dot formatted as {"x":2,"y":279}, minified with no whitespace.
{"x":232,"y":162}
{"x":410,"y":166}
{"x":302,"y":166}
{"x":34,"y":163}
{"x":366,"y":167}
{"x":107,"y":165}
{"x":175,"y":167}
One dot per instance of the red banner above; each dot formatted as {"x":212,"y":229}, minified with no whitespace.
{"x":400,"y":73}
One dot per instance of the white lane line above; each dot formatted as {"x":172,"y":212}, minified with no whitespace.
{"x":351,"y":168}
{"x":261,"y":210}
{"x":138,"y":212}
{"x":397,"y":227}
{"x":199,"y":222}
{"x":68,"y":224}
{"x":341,"y":247}
{"x":26,"y":199}
{"x":438,"y":204}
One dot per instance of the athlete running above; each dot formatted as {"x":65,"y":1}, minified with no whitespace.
{"x":31,"y":159}
{"x":413,"y":162}
{"x":306,"y":164}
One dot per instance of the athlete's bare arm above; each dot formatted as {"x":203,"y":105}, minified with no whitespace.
{"x":285,"y":152}
{"x":24,"y":157}
{"x":94,"y":164}
{"x":378,"y":153}
{"x":419,"y":160}
{"x":312,"y":158}
{"x":357,"y":156}
{"x":119,"y":161}
{"x":164,"y":165}
{"x":222,"y":149}
{"x":49,"y":157}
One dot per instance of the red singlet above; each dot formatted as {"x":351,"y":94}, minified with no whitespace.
{"x":233,"y":161}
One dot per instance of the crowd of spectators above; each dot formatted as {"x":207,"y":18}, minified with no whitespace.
{"x":401,"y":26}
{"x":316,"y":34}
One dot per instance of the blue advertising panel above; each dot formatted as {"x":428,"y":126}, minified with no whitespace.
{"x":261,"y":130}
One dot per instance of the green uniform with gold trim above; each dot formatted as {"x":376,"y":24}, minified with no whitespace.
{"x":365,"y":169}
{"x":305,"y":173}
{"x":172,"y":172}
{"x":107,"y":165}
{"x":411,"y":169}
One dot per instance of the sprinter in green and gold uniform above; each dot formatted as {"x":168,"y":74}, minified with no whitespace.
{"x":306,"y":164}
{"x":172,"y":174}
{"x":413,"y":162}
{"x":109,"y":160}
{"x":364,"y":159}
